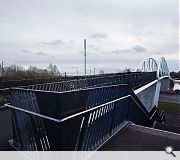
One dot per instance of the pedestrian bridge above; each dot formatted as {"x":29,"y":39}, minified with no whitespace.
{"x":84,"y":114}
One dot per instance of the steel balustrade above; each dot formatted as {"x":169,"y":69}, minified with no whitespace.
{"x":134,"y":80}
{"x":61,"y":99}
{"x":88,"y":130}
{"x":60,"y":104}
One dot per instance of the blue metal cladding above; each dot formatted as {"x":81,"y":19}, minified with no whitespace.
{"x":120,"y":113}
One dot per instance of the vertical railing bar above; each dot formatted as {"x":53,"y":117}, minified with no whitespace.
{"x":113,"y":114}
{"x":82,"y":137}
{"x":89,"y":131}
{"x":99,"y":126}
{"x":36,"y":119}
{"x":41,"y":124}
{"x":29,"y":108}
{"x":94,"y":130}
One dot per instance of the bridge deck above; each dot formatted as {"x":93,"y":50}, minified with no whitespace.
{"x":137,"y":138}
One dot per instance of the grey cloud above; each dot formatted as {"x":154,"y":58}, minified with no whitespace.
{"x":71,"y":41}
{"x":118,"y":51}
{"x":134,"y":49}
{"x":139,"y":48}
{"x":42,"y":53}
{"x":55,"y":42}
{"x":158,"y":53}
{"x":25,"y":50}
{"x":98,"y":36}
{"x":90,"y":46}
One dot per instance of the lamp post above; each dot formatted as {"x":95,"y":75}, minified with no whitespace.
{"x":85,"y":58}
{"x":76,"y":70}
{"x":2,"y":67}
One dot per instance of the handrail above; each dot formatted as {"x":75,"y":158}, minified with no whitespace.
{"x":105,"y":117}
{"x":77,"y":114}
{"x":32,"y":113}
{"x":145,"y":86}
{"x":83,"y":89}
{"x":4,"y":89}
{"x":94,"y":108}
{"x":134,"y":80}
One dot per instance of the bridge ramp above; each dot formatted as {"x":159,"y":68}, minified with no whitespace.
{"x":138,"y":138}
{"x":171,"y":124}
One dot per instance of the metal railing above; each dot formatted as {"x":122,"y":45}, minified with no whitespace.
{"x":86,"y":130}
{"x":134,"y":80}
{"x":76,"y":115}
{"x":62,"y":104}
{"x":23,"y":82}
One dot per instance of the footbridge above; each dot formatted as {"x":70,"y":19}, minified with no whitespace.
{"x":85,"y":114}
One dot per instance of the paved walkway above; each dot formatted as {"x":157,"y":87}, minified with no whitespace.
{"x":135,"y":138}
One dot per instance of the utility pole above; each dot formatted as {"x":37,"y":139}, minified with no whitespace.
{"x":2,"y":74}
{"x":2,"y":68}
{"x":85,"y":58}
{"x":94,"y":71}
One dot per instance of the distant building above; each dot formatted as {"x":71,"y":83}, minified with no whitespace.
{"x":176,"y":85}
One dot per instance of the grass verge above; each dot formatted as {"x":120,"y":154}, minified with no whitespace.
{"x":169,"y":107}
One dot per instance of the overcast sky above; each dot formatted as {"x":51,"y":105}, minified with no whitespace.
{"x":119,"y":33}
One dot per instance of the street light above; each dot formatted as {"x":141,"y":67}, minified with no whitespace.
{"x":2,"y":70}
{"x":85,"y":58}
{"x":76,"y":70}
